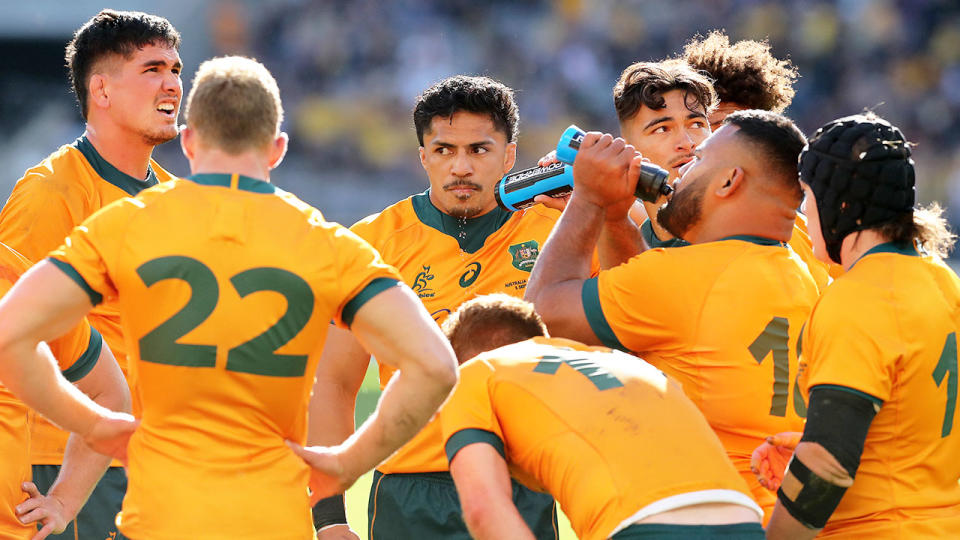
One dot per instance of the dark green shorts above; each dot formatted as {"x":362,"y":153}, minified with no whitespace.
{"x":96,"y":520}
{"x":660,"y":531}
{"x":426,"y":506}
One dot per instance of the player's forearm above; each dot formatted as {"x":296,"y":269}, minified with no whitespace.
{"x":496,"y":518}
{"x":81,"y":470}
{"x":567,"y":252}
{"x":29,"y":371}
{"x":783,"y":526}
{"x":408,"y":402}
{"x":619,"y":241}
{"x":331,"y":414}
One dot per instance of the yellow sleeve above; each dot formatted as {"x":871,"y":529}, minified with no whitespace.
{"x":361,"y":273}
{"x":853,"y":349}
{"x":76,"y":351}
{"x":39,"y":214}
{"x":89,"y":253}
{"x":634,"y":307}
{"x":468,"y":416}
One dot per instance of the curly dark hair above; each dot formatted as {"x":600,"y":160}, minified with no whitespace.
{"x":745,"y":73}
{"x":481,"y":95}
{"x":644,"y":83}
{"x":113,"y":32}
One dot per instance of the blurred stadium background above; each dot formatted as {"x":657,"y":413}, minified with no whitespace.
{"x":349,"y":71}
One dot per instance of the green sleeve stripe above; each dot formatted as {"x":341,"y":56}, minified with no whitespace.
{"x":87,"y":360}
{"x":875,"y":400}
{"x":590,"y":296}
{"x":372,"y":289}
{"x":71,"y":272}
{"x":466,"y":437}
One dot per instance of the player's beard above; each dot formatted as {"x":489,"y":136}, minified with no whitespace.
{"x":465,"y":212}
{"x":157,"y":136}
{"x":684,"y":210}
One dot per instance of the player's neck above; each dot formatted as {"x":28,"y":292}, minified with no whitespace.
{"x":213,"y":161}
{"x":858,"y":243}
{"x":129,"y":155}
{"x":764,"y":220}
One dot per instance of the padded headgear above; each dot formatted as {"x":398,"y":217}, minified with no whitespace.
{"x":861,"y":174}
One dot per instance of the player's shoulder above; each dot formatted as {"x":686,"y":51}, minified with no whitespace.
{"x":846,"y":294}
{"x":61,"y":172}
{"x":399,"y":212}
{"x":12,"y":263}
{"x":397,"y":219}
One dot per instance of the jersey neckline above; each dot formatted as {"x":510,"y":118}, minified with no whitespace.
{"x":888,"y":247}
{"x":233,"y":181}
{"x":111,"y":174}
{"x":469,"y":233}
{"x":759,"y":240}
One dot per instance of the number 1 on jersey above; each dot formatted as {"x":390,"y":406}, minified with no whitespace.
{"x":947,"y":368}
{"x":775,"y":338}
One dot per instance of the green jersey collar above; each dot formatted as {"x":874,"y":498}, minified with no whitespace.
{"x":111,"y":174}
{"x":759,"y":240}
{"x":889,"y":247}
{"x":470,"y":233}
{"x":243,"y":183}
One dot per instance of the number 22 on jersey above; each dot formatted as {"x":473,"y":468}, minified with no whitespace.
{"x":258,"y":354}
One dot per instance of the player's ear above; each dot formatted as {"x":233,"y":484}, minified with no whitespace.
{"x":97,"y":94}
{"x":731,"y":181}
{"x":188,"y":142}
{"x":278,"y":149}
{"x":423,"y":158}
{"x":510,"y":157}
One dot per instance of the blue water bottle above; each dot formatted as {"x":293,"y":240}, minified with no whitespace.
{"x":516,"y":191}
{"x":651,"y":184}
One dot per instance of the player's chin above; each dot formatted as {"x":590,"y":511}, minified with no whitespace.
{"x":464,"y":211}
{"x":161,"y":134}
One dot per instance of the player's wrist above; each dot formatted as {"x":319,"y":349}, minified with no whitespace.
{"x":329,"y":512}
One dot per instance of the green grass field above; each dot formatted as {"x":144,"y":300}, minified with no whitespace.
{"x":356,"y":496}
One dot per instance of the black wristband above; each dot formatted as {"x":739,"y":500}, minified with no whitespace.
{"x":329,"y":511}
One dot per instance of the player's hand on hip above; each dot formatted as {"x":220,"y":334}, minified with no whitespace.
{"x":39,"y":508}
{"x":601,"y":170}
{"x":337,"y":532}
{"x":769,"y":460}
{"x":111,"y":434}
{"x":328,"y":476}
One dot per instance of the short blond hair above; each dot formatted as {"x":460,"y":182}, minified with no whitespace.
{"x":491,"y":321}
{"x":234,"y":104}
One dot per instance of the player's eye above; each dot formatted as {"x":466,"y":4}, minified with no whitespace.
{"x":443,"y":151}
{"x":660,"y":129}
{"x":698,"y":124}
{"x":480,"y":150}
